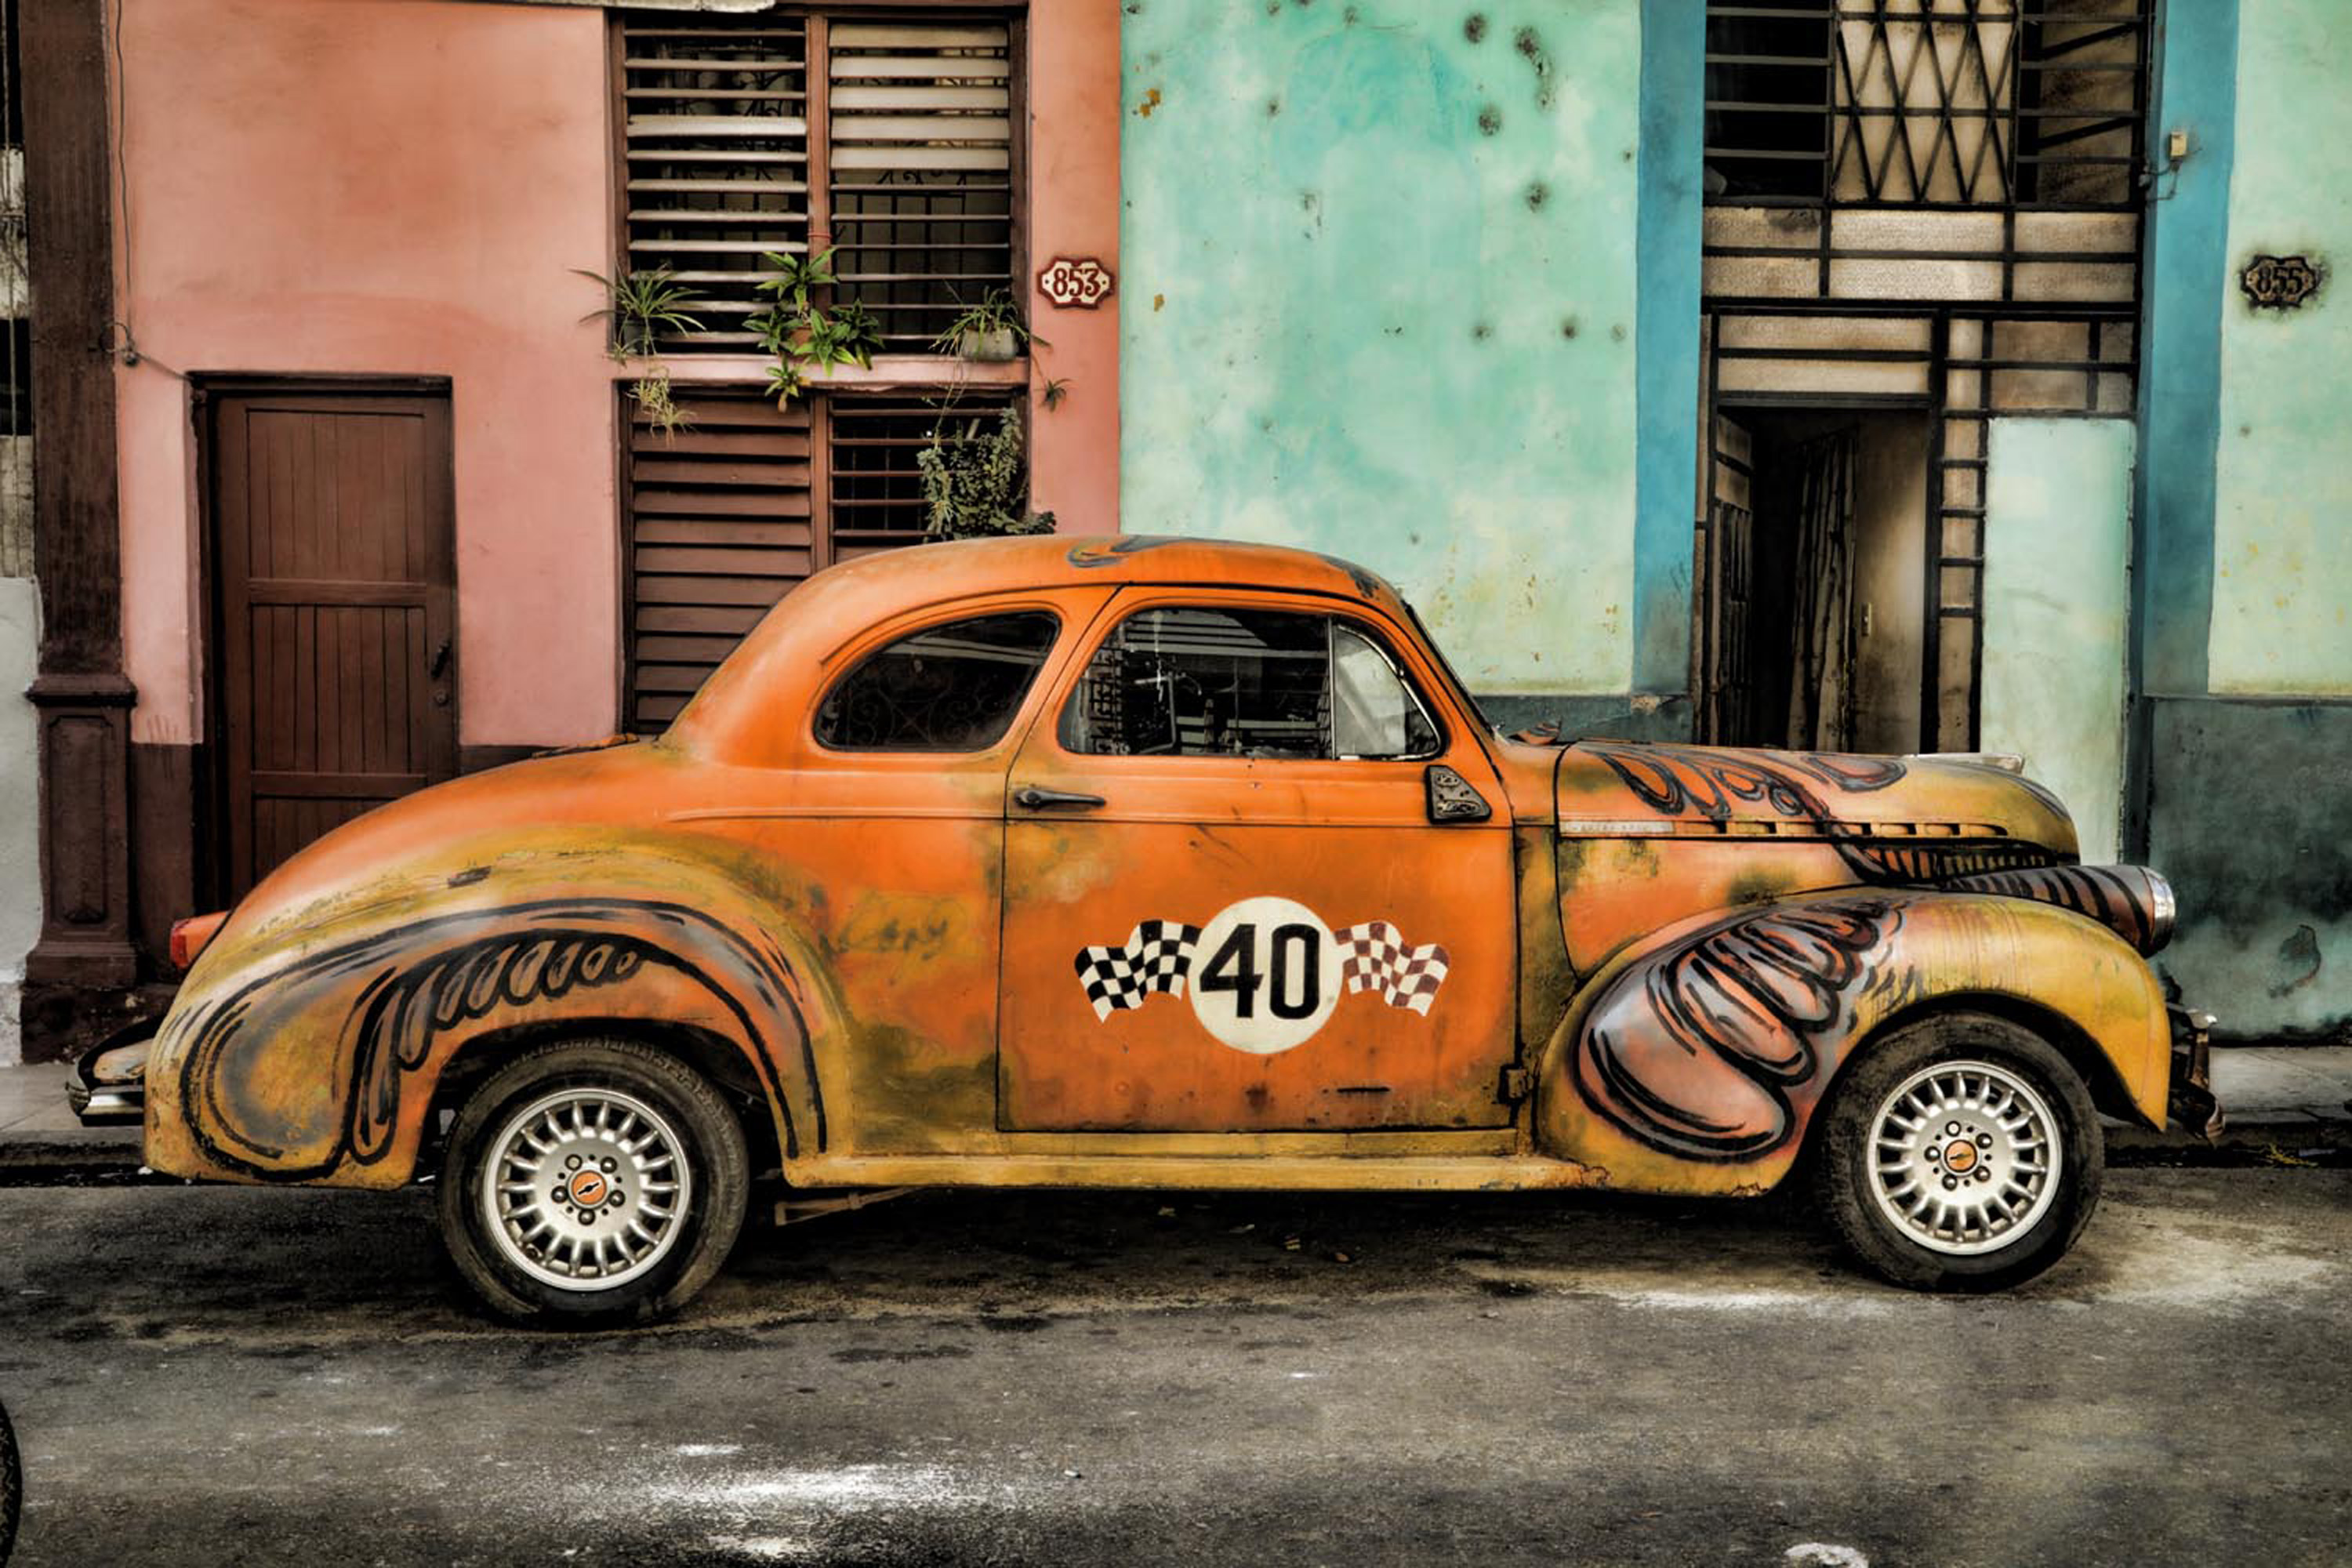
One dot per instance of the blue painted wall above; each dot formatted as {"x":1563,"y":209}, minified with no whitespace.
{"x":2181,"y":376}
{"x":1673,"y":121}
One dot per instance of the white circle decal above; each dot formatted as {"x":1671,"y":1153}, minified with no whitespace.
{"x":1265,"y":975}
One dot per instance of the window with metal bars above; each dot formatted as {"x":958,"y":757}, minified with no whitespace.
{"x":730,"y":513}
{"x":2032,"y":103}
{"x":890,"y":138}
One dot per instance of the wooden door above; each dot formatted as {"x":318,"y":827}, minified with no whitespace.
{"x":1729,"y":694}
{"x":334,"y":570}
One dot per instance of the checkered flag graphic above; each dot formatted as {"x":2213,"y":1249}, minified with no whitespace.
{"x":1374,"y":957}
{"x":1156,"y":957}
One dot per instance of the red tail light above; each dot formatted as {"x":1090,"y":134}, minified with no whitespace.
{"x":189,"y":936}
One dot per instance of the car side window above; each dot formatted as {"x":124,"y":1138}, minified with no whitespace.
{"x":951,"y":688}
{"x":1195,"y":681}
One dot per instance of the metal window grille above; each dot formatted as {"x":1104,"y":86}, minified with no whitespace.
{"x":727,"y":515}
{"x":921,"y":164}
{"x":892,"y":140}
{"x":1928,"y":102}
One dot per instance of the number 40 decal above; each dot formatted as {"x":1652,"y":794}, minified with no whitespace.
{"x":1268,"y":970}
{"x":1293,"y":980}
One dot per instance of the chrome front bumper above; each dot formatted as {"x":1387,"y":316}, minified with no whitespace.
{"x":2191,"y":1105}
{"x":108,"y":1087}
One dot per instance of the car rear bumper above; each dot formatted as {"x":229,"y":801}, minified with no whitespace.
{"x":2191,"y":1106}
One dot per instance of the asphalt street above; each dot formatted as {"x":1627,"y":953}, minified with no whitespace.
{"x":227,"y":1377}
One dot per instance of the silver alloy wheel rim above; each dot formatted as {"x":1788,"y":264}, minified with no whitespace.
{"x":586,"y":1188}
{"x":1965,"y":1157}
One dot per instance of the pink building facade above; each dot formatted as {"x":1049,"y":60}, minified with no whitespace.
{"x":387,"y":510}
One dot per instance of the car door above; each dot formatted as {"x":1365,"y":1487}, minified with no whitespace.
{"x":1258,"y":878}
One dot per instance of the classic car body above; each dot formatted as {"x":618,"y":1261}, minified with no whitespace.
{"x":1194,"y":944}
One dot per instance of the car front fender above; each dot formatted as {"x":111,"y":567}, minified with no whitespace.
{"x":1693,"y":1062}
{"x":306,"y":1046}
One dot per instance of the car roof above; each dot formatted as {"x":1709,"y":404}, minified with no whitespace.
{"x":1040,"y":560}
{"x":839,"y":604}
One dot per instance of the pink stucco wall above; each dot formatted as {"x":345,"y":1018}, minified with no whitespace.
{"x":403,"y":187}
{"x":388,"y":186}
{"x":1074,"y":122}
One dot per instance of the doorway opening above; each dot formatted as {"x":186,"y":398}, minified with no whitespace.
{"x":1814,"y":634}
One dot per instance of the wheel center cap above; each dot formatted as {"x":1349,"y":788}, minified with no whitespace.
{"x":1959,"y":1156}
{"x":588,"y":1188}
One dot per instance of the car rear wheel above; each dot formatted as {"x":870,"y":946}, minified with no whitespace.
{"x":593,"y":1183}
{"x":1960,"y":1154}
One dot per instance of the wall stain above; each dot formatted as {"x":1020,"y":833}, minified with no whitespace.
{"x":1490,"y":121}
{"x":1150,"y":102}
{"x":1474,"y":25}
{"x":2299,"y":959}
{"x":1530,"y":47}
{"x":1537,"y":194}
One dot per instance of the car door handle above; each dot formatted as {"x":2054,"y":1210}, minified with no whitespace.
{"x":1029,"y":798}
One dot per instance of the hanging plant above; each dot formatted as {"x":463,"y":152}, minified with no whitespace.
{"x":641,"y":307}
{"x":976,"y":480}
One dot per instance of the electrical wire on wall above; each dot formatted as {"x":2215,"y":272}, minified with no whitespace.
{"x":126,"y":349}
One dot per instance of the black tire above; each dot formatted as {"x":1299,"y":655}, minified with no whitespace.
{"x":685,"y":1245}
{"x":2012,"y":1248}
{"x":12,"y":1488}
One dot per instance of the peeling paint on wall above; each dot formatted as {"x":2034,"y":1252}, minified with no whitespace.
{"x":1398,"y":308}
{"x":2281,"y":577}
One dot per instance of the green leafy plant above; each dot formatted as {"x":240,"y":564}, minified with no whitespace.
{"x":641,"y":307}
{"x":991,"y":330}
{"x":801,"y":332}
{"x":976,"y":482}
{"x":1055,"y":389}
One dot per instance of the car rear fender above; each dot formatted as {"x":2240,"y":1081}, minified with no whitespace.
{"x":1695,"y":1061}
{"x":310,"y":1048}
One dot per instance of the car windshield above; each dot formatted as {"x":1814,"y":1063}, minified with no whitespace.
{"x":1445,"y":667}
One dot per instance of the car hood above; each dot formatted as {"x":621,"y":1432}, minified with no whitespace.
{"x":1620,"y":789}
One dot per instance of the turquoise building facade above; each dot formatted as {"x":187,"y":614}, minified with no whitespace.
{"x":1433,"y":289}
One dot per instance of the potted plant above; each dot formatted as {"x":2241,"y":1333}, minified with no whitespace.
{"x":641,"y":307}
{"x":976,"y":480}
{"x":990,"y":331}
{"x":800,"y":332}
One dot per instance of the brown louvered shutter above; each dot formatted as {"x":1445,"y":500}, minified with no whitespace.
{"x":717,"y":129}
{"x":922,"y":163}
{"x":893,"y":137}
{"x":719,"y":528}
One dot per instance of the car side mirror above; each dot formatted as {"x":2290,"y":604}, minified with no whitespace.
{"x":1451,"y":797}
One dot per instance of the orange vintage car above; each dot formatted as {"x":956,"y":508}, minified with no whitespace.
{"x":1169,"y":863}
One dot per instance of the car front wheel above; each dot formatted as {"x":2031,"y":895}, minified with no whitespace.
{"x":591,"y":1184}
{"x":1960,"y":1154}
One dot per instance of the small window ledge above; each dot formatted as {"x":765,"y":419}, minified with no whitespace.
{"x":888,"y":370}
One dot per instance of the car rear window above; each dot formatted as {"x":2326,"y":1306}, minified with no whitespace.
{"x":951,"y":688}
